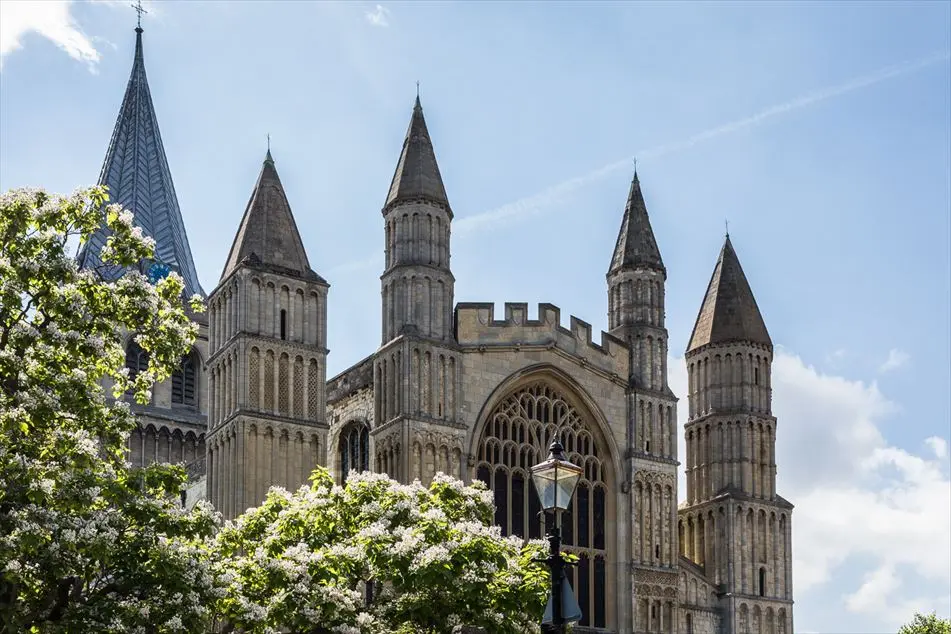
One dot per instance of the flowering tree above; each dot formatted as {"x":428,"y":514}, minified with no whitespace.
{"x":301,"y":562}
{"x":926,"y":624}
{"x":86,"y":543}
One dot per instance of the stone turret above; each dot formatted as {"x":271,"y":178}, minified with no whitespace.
{"x":268,"y":359}
{"x":417,"y":282}
{"x":729,"y":360}
{"x":733,"y":524}
{"x":636,"y":279}
{"x":416,"y":370}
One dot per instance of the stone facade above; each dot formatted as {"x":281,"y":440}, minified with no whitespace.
{"x":453,"y":389}
{"x":172,"y":427}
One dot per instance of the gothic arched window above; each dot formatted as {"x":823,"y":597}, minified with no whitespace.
{"x":185,"y":381}
{"x":516,"y":437}
{"x":136,"y":359}
{"x":354,"y":449}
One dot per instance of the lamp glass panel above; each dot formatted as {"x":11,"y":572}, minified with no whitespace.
{"x":555,"y":482}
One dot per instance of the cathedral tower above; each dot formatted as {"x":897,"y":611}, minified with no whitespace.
{"x":268,"y":357}
{"x":416,"y":366}
{"x":171,"y":427}
{"x":636,"y":280}
{"x":734,"y":525}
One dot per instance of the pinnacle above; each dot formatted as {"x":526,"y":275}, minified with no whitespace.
{"x":417,"y":173}
{"x":729,"y":312}
{"x":636,"y":246}
{"x":268,"y":234}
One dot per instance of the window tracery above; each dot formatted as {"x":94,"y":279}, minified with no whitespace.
{"x":354,"y":448}
{"x":517,"y":435}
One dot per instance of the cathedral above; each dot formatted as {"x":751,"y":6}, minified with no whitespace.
{"x":452,"y":389}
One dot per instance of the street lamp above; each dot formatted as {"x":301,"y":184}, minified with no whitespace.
{"x":555,"y":481}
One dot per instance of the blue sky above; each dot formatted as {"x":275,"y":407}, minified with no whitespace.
{"x":821,"y":131}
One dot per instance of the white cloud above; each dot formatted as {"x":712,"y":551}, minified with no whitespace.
{"x":49,"y":18}
{"x":54,"y":20}
{"x":896,"y":359}
{"x":379,"y":16}
{"x":864,"y":507}
{"x":834,"y":357}
{"x":939,"y":446}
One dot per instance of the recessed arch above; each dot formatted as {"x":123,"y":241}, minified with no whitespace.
{"x":599,"y":428}
{"x":353,"y":448}
{"x":518,"y":422}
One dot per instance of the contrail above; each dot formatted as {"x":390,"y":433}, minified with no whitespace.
{"x":535,"y":203}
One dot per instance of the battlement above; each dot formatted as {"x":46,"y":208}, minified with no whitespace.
{"x":476,"y":326}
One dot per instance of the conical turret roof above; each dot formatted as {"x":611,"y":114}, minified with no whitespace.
{"x":729,"y":312}
{"x":268,"y":234}
{"x":417,"y":174}
{"x":136,"y":172}
{"x":636,"y":247}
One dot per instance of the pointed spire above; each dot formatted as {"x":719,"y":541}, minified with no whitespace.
{"x":136,"y":172}
{"x":636,"y":247}
{"x":729,"y":312}
{"x":417,"y":174}
{"x":268,"y":234}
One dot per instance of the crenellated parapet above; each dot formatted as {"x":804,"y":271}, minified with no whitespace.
{"x":476,"y":326}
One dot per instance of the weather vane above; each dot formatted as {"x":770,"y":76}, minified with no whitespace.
{"x":268,"y":141}
{"x":635,"y":165}
{"x":138,"y":9}
{"x":417,"y":89}
{"x":727,"y":224}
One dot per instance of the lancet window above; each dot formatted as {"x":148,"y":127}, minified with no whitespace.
{"x":516,"y":437}
{"x":136,"y":359}
{"x":354,"y":449}
{"x":185,"y":381}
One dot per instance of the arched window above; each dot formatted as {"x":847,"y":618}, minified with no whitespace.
{"x":354,"y":449}
{"x":762,"y":582}
{"x":516,"y":437}
{"x":185,"y":381}
{"x":689,"y":623}
{"x":136,"y":359}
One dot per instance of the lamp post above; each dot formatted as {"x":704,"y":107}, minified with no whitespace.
{"x":555,"y":481}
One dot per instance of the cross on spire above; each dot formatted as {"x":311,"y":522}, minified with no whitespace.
{"x":138,"y":9}
{"x":727,"y":224}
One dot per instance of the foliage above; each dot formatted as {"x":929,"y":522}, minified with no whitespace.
{"x":86,"y":543}
{"x":299,"y":562}
{"x":926,"y":624}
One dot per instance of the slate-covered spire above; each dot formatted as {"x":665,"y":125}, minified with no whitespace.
{"x":636,"y":247}
{"x":729,"y":312}
{"x":137,"y":175}
{"x":268,"y":234}
{"x":417,"y":174}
